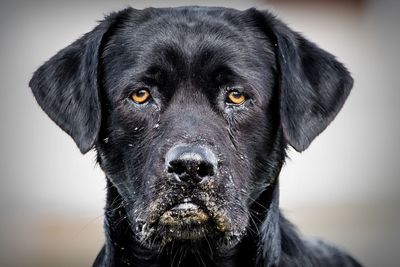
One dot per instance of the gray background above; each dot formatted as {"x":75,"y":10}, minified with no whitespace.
{"x":344,"y":188}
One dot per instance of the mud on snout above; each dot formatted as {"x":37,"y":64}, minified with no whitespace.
{"x":188,"y":208}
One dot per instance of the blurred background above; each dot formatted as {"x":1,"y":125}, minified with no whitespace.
{"x":344,"y":188}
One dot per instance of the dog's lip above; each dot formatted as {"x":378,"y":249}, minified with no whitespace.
{"x":184,"y":213}
{"x":187,"y":203}
{"x":188,"y":211}
{"x":189,"y":218}
{"x":185,"y":206}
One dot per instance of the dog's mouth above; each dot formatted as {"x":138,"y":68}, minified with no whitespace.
{"x":186,"y":221}
{"x":189,"y":219}
{"x":186,"y":213}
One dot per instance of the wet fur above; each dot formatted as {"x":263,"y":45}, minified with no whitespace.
{"x":189,"y":57}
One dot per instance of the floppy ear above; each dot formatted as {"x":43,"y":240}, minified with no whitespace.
{"x":66,"y":85}
{"x":313,"y":84}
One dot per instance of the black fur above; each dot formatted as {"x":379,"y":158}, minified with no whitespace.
{"x":189,"y":59}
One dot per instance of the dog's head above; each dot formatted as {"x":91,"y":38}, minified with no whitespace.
{"x":190,"y":111}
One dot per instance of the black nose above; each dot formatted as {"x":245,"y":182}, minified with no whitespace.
{"x":191,"y":163}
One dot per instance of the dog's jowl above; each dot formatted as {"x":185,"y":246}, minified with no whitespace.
{"x":190,"y":111}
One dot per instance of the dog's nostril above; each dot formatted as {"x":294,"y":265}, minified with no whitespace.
{"x":177,"y":167}
{"x":191,"y":168}
{"x":205,"y":169}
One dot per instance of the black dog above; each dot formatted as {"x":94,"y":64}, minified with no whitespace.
{"x":190,"y":111}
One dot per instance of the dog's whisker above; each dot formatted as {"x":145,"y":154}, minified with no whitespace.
{"x":177,"y":251}
{"x":88,"y":223}
{"x":247,"y":195}
{"x":209,"y":245}
{"x":199,"y":256}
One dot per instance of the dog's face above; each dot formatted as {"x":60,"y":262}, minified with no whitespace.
{"x":187,"y":119}
{"x":190,"y":110}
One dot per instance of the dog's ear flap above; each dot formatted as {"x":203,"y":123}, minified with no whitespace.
{"x":66,"y":85}
{"x":313,"y":84}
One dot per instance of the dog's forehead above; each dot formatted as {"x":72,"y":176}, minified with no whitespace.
{"x":190,"y":40}
{"x":186,"y":27}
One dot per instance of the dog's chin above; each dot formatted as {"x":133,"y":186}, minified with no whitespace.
{"x":185,"y":221}
{"x":189,"y":223}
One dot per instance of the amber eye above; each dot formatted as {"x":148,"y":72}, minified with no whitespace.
{"x":236,"y":97}
{"x":141,"y":96}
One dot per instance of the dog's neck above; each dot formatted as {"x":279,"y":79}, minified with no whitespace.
{"x":122,"y":249}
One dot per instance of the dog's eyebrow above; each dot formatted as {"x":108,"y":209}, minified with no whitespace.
{"x":153,"y":73}
{"x":223,"y":74}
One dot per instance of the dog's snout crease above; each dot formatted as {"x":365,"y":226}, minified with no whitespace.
{"x":191,"y":163}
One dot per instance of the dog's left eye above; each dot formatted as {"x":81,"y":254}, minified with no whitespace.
{"x":235,"y":97}
{"x":141,"y":96}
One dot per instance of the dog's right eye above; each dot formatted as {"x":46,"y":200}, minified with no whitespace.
{"x":141,"y":96}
